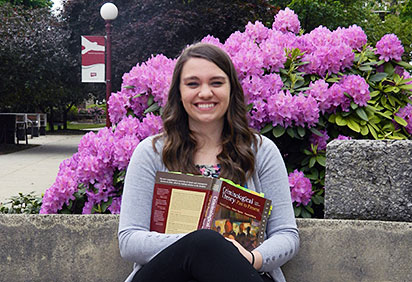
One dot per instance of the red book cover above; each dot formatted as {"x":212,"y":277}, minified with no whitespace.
{"x":179,"y":202}
{"x":183,"y":203}
{"x":241,"y":215}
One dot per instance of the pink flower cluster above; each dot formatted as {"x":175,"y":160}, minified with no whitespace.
{"x":152,"y":77}
{"x":406,"y":114}
{"x":389,"y":48}
{"x":327,"y":52}
{"x":98,"y":157}
{"x":330,"y":98}
{"x":300,"y":188}
{"x":320,"y":142}
{"x":286,"y":20}
{"x":258,"y":53}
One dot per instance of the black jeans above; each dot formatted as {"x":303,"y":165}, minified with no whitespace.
{"x":201,"y":256}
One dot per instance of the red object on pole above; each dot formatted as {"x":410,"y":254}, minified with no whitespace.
{"x":108,"y":70}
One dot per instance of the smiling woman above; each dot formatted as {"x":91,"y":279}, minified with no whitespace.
{"x":205,"y":93}
{"x":205,"y":125}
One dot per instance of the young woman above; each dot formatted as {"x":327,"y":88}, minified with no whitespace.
{"x":206,"y":130}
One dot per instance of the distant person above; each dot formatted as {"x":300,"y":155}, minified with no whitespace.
{"x":229,"y":233}
{"x":205,"y":126}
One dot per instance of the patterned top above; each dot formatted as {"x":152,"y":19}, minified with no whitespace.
{"x":209,"y":170}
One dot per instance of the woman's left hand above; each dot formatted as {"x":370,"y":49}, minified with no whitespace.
{"x":258,"y":257}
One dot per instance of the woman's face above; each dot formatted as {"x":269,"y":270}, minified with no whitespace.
{"x":205,"y":92}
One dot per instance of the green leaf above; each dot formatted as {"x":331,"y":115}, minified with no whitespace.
{"x":321,"y":160}
{"x":364,"y":130}
{"x":278,"y":131}
{"x":267,"y":128}
{"x":340,"y":121}
{"x":362,"y":114}
{"x":333,"y":79}
{"x":315,"y":131}
{"x":307,"y":152}
{"x":404,"y":64}
{"x":137,"y":96}
{"x":400,"y":120}
{"x":332,"y":118}
{"x":404,"y":81}
{"x":378,"y":76}
{"x":391,"y":89}
{"x":316,"y":199}
{"x":312,"y":161}
{"x":105,"y":205}
{"x":309,"y":209}
{"x":150,"y":100}
{"x":154,"y":107}
{"x":365,"y":68}
{"x":389,"y":69}
{"x":129,"y":87}
{"x":301,"y":131}
{"x":291,"y":132}
{"x":384,"y":115}
{"x":297,"y":210}
{"x":353,"y":125}
{"x":306,"y":214}
{"x":374,"y":93}
{"x":406,"y":87}
{"x":353,"y":105}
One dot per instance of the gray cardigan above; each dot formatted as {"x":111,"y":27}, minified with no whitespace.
{"x":139,"y":245}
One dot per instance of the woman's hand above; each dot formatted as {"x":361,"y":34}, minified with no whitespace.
{"x":258,"y":257}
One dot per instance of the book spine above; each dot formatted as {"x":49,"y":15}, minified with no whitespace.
{"x":212,"y":203}
{"x":262,"y":228}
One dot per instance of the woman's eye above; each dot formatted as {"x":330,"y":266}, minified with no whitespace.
{"x":192,"y":84}
{"x":217,"y":83}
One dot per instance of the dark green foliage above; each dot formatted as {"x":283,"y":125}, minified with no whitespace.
{"x":29,"y":3}
{"x":147,"y":27}
{"x":23,"y":203}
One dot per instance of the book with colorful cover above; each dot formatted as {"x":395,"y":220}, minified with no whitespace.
{"x":183,"y":203}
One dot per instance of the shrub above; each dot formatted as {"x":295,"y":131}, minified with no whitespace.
{"x":303,"y":90}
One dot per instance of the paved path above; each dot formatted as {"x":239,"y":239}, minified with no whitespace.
{"x":35,"y":169}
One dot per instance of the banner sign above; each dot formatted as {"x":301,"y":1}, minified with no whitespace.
{"x":93,"y":59}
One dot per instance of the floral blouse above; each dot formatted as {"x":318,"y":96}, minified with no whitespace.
{"x":209,"y":170}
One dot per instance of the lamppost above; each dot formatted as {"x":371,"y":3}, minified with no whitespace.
{"x":108,"y":12}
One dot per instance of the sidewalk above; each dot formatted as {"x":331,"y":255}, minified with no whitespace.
{"x":35,"y":169}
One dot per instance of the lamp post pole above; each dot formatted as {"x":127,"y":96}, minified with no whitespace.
{"x":108,"y":12}
{"x":108,"y":70}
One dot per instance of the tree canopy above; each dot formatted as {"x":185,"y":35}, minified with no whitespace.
{"x":147,"y":27}
{"x":34,"y":61}
{"x":29,"y":3}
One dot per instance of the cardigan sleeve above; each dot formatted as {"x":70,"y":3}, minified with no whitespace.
{"x":282,"y":238}
{"x":136,"y":242}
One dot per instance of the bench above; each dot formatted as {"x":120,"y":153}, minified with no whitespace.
{"x":17,"y":126}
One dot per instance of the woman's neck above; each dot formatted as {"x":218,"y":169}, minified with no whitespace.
{"x":209,"y":144}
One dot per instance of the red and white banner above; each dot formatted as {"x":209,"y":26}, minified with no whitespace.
{"x":93,"y":59}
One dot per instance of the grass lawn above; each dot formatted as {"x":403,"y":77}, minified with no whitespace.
{"x":78,"y":126}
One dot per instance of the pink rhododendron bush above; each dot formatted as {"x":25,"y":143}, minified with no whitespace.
{"x":303,"y":90}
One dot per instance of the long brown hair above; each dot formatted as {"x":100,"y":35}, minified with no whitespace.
{"x":236,"y":159}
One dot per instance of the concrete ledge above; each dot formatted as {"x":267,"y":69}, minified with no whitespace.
{"x":60,"y":248}
{"x":352,"y":250}
{"x":85,"y":248}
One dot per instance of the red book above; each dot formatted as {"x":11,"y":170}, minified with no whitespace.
{"x":183,"y":203}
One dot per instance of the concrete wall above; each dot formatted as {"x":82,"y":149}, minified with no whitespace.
{"x":85,"y":248}
{"x":369,"y":179}
{"x":60,"y":248}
